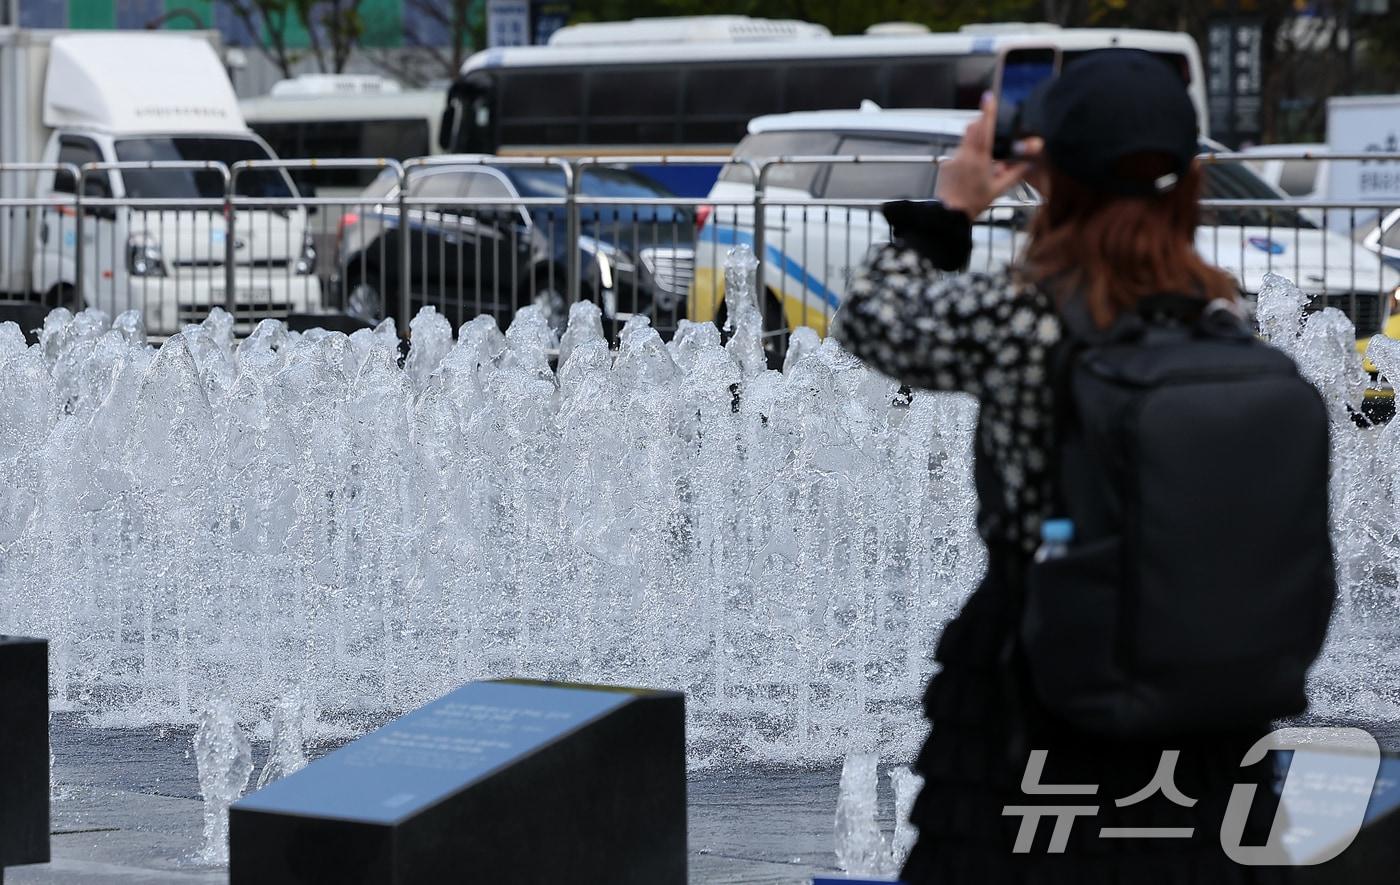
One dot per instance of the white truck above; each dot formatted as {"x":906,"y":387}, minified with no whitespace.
{"x":145,"y":109}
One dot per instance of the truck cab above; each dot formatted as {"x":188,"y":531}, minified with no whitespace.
{"x":143,"y":225}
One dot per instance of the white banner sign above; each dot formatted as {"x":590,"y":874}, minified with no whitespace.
{"x":1364,"y":125}
{"x":507,"y":23}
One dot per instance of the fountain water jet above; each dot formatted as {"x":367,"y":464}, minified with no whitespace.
{"x":784,"y":547}
{"x":225,"y":762}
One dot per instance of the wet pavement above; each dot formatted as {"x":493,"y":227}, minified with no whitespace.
{"x":127,"y":810}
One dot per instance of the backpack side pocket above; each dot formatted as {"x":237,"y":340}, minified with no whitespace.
{"x":1070,"y":629}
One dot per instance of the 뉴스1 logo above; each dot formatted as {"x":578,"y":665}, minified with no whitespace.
{"x":1327,"y":789}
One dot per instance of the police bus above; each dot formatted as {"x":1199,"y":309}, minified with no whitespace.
{"x":689,"y":86}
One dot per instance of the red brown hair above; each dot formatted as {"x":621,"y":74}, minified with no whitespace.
{"x":1116,"y":250}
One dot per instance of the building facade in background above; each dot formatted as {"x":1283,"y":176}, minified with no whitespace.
{"x":400,"y":37}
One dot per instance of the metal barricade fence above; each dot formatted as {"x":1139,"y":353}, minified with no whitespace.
{"x":640,"y":254}
{"x":484,"y":236}
{"x":154,"y":249}
{"x":487,"y":235}
{"x":28,"y":222}
{"x":284,"y":250}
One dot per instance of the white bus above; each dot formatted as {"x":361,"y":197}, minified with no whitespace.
{"x":329,"y":116}
{"x":686,"y":87}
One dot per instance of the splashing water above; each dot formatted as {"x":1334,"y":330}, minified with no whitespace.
{"x":860,"y":847}
{"x":906,"y":786}
{"x":745,"y":320}
{"x":300,"y":509}
{"x":286,"y":753}
{"x":225,"y":762}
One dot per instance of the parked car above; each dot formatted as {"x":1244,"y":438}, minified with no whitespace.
{"x":1250,"y":242}
{"x":1299,"y":170}
{"x":489,"y":237}
{"x":822,"y":219}
{"x":811,"y":240}
{"x":1383,"y":237}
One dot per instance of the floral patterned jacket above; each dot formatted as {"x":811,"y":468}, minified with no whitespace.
{"x":990,"y":335}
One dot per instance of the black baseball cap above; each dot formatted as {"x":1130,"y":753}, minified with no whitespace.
{"x":1111,"y":104}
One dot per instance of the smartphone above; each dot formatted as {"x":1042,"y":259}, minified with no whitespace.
{"x":1020,"y":72}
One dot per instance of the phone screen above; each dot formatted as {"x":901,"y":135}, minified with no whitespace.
{"x":1021,"y":72}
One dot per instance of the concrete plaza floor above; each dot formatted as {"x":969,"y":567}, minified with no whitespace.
{"x":127,"y":812}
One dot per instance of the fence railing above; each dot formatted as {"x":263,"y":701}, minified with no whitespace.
{"x":478,"y":235}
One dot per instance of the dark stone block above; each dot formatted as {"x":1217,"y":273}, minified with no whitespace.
{"x":1374,"y":855}
{"x":499,"y":782}
{"x":24,"y":751}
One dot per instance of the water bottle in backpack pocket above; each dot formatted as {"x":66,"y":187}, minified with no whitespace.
{"x":1193,"y":462}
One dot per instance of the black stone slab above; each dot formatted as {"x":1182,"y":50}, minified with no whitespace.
{"x":24,"y":751}
{"x":1374,"y":855}
{"x":498,"y":782}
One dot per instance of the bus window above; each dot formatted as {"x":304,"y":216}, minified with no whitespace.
{"x":540,"y":106}
{"x":721,"y":99}
{"x":823,"y":86}
{"x":469,"y":122}
{"x":397,"y":139}
{"x":920,"y":83}
{"x":974,"y":80}
{"x":633,"y":105}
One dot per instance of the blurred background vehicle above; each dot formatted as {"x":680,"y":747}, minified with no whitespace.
{"x":689,"y":86}
{"x":822,"y":218}
{"x":156,"y":138}
{"x":1250,"y":242}
{"x":338,"y":116}
{"x":343,"y":117}
{"x":1301,"y":172}
{"x":478,"y":245}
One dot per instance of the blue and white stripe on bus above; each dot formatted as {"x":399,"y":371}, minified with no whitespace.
{"x":728,"y":236}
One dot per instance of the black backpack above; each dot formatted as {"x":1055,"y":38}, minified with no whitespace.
{"x":1193,"y":459}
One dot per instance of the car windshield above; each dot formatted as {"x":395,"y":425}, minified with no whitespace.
{"x":548,"y":182}
{"x":762,"y":146}
{"x":1235,"y":181}
{"x":383,"y":185}
{"x":185,"y":184}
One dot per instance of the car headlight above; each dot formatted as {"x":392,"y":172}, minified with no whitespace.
{"x":610,"y":259}
{"x":143,"y":258}
{"x":306,"y":262}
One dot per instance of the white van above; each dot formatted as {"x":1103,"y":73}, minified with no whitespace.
{"x":130,"y":99}
{"x":810,"y":250}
